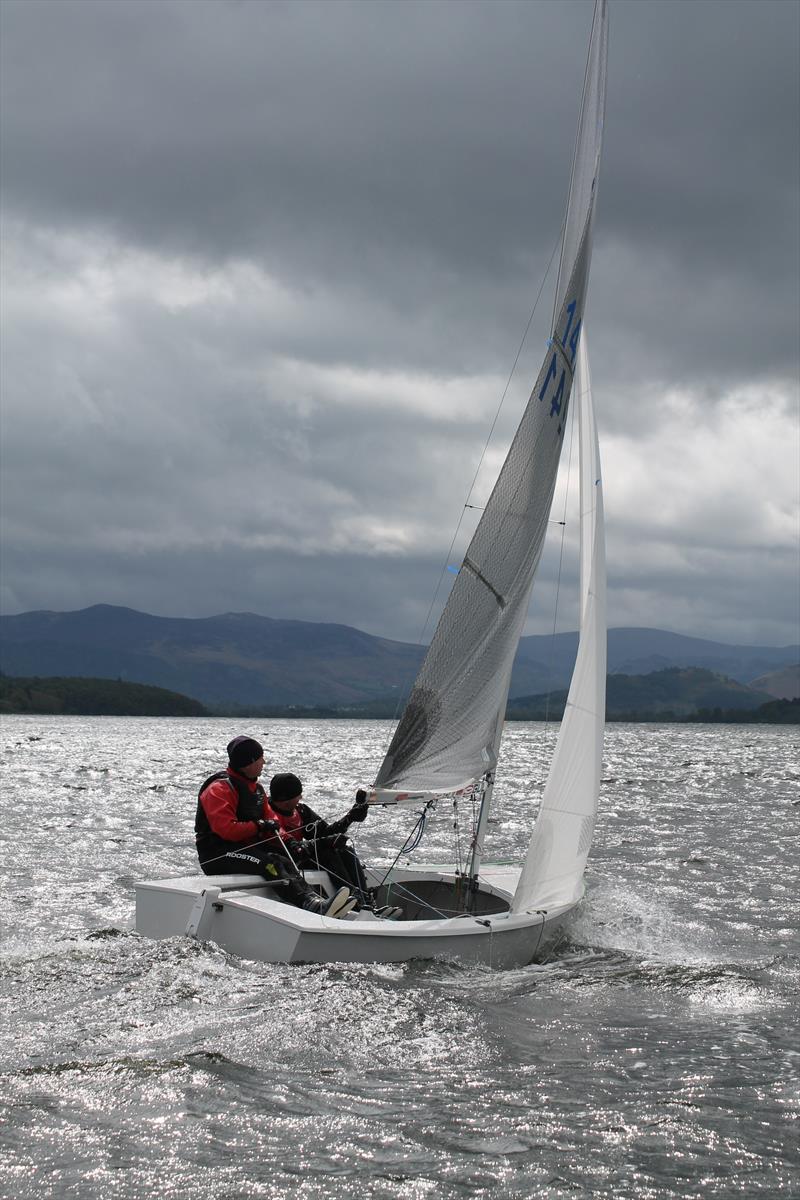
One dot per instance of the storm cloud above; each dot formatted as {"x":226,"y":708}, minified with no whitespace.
{"x":266,"y":267}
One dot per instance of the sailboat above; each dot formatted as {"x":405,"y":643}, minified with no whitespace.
{"x":447,"y":742}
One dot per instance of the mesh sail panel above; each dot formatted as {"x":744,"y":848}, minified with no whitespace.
{"x":447,"y":735}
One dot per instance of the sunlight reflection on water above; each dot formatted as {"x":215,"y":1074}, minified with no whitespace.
{"x":654,"y":1055}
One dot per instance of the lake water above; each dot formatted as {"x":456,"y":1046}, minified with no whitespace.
{"x":655,"y":1055}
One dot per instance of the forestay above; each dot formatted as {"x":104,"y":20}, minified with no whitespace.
{"x":562,"y":835}
{"x":448,"y":735}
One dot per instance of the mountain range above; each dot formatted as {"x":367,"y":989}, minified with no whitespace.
{"x":246,"y":659}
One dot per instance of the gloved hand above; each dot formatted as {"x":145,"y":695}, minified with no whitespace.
{"x":267,"y":827}
{"x":360,"y":809}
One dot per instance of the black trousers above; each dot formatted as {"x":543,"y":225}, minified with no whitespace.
{"x":336,"y":856}
{"x":257,"y":860}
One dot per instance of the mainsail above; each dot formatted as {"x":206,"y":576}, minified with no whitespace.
{"x":448,"y":735}
{"x":562,"y":835}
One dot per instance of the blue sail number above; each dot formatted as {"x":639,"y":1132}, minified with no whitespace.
{"x":571,"y":310}
{"x":555,"y":404}
{"x":572,"y":343}
{"x":569,"y":343}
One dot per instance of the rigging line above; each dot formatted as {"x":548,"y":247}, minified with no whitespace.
{"x":252,"y":846}
{"x":445,"y":914}
{"x":334,"y":875}
{"x":405,"y":892}
{"x":490,"y":433}
{"x":412,"y":841}
{"x":466,"y":505}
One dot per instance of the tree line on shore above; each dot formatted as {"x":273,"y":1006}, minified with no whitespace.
{"x":76,"y":696}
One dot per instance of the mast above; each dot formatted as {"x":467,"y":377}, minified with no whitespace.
{"x":487,"y":791}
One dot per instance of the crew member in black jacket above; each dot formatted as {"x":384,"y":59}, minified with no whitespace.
{"x":313,"y":842}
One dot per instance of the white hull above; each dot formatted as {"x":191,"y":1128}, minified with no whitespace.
{"x":239,"y":913}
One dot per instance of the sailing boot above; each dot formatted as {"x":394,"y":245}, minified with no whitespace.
{"x":339,"y":906}
{"x":389,"y":913}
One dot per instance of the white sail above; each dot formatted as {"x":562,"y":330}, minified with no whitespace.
{"x":559,"y":846}
{"x":449,"y":732}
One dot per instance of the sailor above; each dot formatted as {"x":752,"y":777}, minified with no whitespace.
{"x":313,"y":843}
{"x":236,"y":832}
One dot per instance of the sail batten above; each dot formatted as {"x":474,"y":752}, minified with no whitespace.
{"x":448,"y":731}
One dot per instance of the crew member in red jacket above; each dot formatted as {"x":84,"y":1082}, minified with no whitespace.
{"x":313,"y":842}
{"x":237,"y":833}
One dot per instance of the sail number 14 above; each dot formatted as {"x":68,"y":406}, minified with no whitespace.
{"x":567,"y":348}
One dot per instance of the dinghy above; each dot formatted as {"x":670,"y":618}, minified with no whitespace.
{"x":447,"y":741}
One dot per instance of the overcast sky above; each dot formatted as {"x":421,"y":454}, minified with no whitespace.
{"x":267,"y":266}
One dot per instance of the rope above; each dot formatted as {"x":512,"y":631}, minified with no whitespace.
{"x":334,"y":875}
{"x":412,"y":841}
{"x":249,"y":846}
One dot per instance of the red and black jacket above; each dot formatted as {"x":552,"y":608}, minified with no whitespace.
{"x":228,"y":809}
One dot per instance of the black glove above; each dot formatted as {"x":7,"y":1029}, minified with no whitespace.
{"x":360,"y":809}
{"x":267,"y":827}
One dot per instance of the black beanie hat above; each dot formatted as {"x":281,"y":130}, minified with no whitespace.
{"x":284,"y":787}
{"x":244,"y":750}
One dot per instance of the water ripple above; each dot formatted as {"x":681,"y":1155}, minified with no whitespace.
{"x":653,"y":1055}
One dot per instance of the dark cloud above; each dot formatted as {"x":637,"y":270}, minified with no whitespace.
{"x":267,"y":265}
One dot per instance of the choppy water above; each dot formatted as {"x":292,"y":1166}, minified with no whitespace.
{"x":656,"y":1055}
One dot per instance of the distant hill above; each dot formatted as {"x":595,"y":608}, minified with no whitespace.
{"x":93,"y":697}
{"x":242,"y":659}
{"x":676,"y":693}
{"x":236,"y":658}
{"x":775,"y":712}
{"x":783,"y":685}
{"x":549,"y":660}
